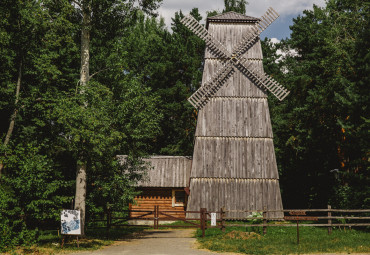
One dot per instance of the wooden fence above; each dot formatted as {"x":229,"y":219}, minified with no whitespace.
{"x":312,"y":217}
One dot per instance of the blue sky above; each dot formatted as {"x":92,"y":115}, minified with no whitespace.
{"x":288,"y":9}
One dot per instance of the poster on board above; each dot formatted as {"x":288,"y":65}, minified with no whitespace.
{"x":70,"y":222}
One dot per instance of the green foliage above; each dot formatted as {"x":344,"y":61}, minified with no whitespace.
{"x":171,"y":64}
{"x":323,"y":125}
{"x":235,"y":5}
{"x":32,"y":193}
{"x":55,"y":125}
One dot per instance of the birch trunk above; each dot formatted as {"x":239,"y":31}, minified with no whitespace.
{"x":81,"y":176}
{"x":15,"y":112}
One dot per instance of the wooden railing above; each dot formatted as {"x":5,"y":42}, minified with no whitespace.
{"x":312,"y":217}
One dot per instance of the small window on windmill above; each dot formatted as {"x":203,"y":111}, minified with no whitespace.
{"x":178,"y":197}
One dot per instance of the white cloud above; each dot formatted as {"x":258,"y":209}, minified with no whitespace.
{"x":255,"y":8}
{"x":274,"y":40}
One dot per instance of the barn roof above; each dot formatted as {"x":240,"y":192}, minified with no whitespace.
{"x":166,"y":171}
{"x":232,"y":17}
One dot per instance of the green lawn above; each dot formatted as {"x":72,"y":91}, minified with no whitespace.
{"x":283,"y":240}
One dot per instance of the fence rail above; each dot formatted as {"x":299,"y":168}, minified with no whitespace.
{"x":296,"y":215}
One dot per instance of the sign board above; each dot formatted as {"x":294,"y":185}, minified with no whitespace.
{"x":300,"y":218}
{"x":70,"y":222}
{"x":213,"y":219}
{"x":299,"y":215}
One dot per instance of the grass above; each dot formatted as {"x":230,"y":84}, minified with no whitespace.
{"x":283,"y":240}
{"x":50,"y":243}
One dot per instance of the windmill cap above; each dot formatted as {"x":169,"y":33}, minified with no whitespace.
{"x":231,"y":17}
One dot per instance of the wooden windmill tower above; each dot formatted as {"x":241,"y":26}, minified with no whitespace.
{"x":234,"y":163}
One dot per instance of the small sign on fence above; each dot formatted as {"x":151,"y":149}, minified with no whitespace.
{"x":299,"y":215}
{"x":213,"y":219}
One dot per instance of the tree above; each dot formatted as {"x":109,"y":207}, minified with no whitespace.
{"x":57,"y":122}
{"x":235,"y":5}
{"x":238,"y":6}
{"x":170,"y":64}
{"x":94,"y":15}
{"x":320,"y":123}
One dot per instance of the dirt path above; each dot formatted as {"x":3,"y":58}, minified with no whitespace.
{"x":157,"y":242}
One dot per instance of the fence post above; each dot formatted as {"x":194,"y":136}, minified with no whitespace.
{"x":222,"y":219}
{"x":108,"y":221}
{"x":203,"y":221}
{"x":156,"y":216}
{"x":330,"y":229}
{"x":264,"y":214}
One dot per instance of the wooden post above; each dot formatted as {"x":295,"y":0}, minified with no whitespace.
{"x":330,"y":229}
{"x":108,"y":222}
{"x":154,"y":217}
{"x":264,"y":214}
{"x":297,"y":231}
{"x":63,"y":236}
{"x":157,"y":216}
{"x":155,"y":223}
{"x":222,"y":219}
{"x":203,"y":221}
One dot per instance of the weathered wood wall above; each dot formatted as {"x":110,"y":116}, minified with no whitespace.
{"x":234,"y":163}
{"x":167,"y":171}
{"x":237,"y":194}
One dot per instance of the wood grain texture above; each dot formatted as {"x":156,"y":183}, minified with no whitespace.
{"x":225,"y":157}
{"x":236,"y":195}
{"x":234,"y":164}
{"x":239,"y":117}
{"x":151,"y":197}
{"x":167,"y":171}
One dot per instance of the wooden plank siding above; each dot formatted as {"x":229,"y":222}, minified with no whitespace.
{"x":164,"y":174}
{"x":167,"y":171}
{"x":243,"y":154}
{"x":234,"y":164}
{"x":151,"y":197}
{"x":236,"y":117}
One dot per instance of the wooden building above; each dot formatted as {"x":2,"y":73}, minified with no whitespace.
{"x":234,"y":163}
{"x":165,"y":185}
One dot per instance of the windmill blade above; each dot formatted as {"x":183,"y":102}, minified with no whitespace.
{"x":263,"y":80}
{"x":212,"y":43}
{"x":270,"y":16}
{"x":200,"y":97}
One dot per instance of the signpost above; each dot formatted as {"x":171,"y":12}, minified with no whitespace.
{"x":70,"y":223}
{"x":213,"y":219}
{"x":299,"y":215}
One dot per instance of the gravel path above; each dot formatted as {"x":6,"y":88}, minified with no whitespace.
{"x":157,"y":242}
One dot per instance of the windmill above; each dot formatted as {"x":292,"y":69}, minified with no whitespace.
{"x":234,"y":164}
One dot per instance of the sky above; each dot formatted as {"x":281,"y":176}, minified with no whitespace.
{"x":279,"y":29}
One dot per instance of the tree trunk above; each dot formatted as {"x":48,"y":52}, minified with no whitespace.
{"x":15,"y":112}
{"x":80,"y":197}
{"x":81,"y":176}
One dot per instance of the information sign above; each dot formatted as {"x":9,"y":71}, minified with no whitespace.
{"x":213,"y":219}
{"x":70,"y":222}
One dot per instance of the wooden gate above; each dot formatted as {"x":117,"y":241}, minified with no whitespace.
{"x":156,"y":216}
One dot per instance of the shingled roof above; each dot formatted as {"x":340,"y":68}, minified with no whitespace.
{"x":232,"y":17}
{"x":165,"y":171}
